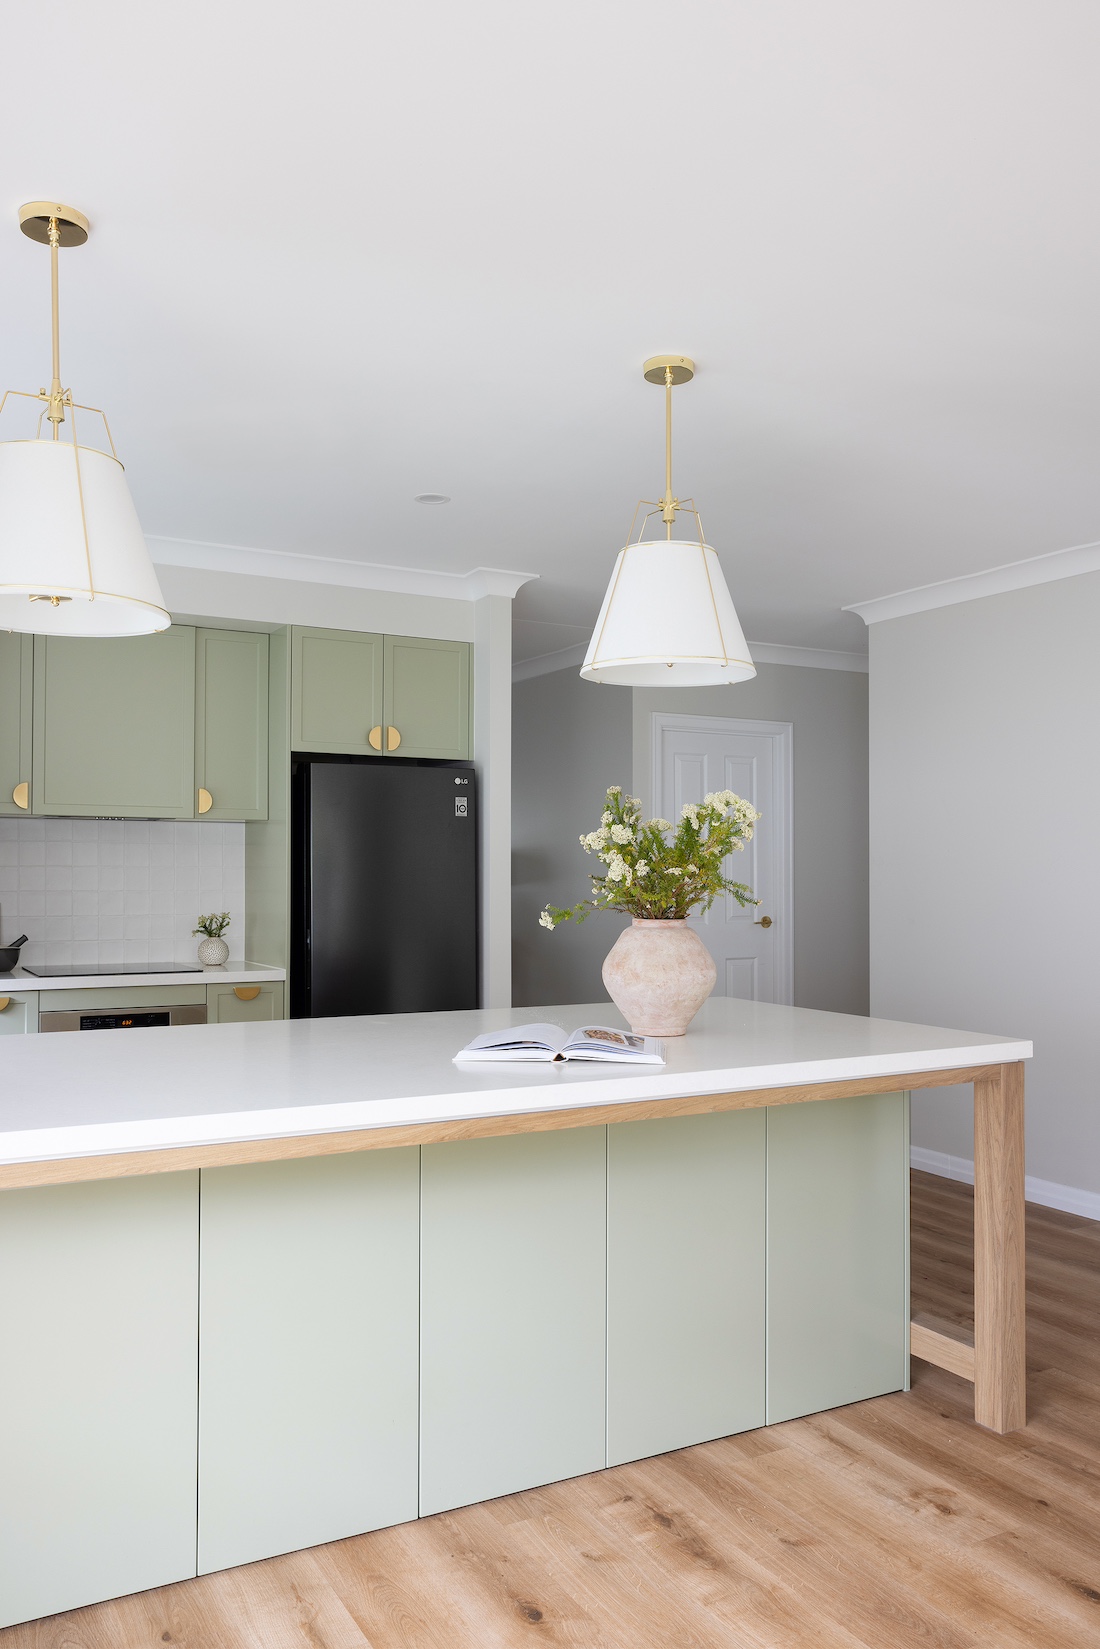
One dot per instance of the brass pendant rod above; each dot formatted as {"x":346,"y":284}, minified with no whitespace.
{"x":668,"y":452}
{"x":56,"y":413}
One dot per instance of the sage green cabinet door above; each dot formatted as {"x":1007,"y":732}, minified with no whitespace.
{"x":427,"y":697}
{"x":512,"y":1303}
{"x":308,"y":1352}
{"x":98,"y":1391}
{"x":231,"y":723}
{"x":838,"y":1295}
{"x":114,"y":725}
{"x":336,"y":691}
{"x":225,"y":1005}
{"x":18,"y":1014}
{"x":16,"y":680}
{"x":685,"y":1281}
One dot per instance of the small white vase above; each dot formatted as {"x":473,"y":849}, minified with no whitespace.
{"x":659,"y":974}
{"x":213,"y":953}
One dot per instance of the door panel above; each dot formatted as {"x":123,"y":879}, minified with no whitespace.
{"x":16,"y":680}
{"x":838,"y":1298}
{"x":696,"y":754}
{"x":336,"y":690}
{"x":512,"y":1314}
{"x":428,"y":696}
{"x":685,"y":1281}
{"x":114,"y":725}
{"x":98,"y":1391}
{"x":20,"y":1016}
{"x":308,"y":1360}
{"x":225,"y":1007}
{"x":231,"y":722}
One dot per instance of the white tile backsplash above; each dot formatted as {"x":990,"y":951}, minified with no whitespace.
{"x":88,"y":891}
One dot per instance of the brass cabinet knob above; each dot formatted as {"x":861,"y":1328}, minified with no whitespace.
{"x":764,"y":922}
{"x":4,"y":1000}
{"x":206,"y":800}
{"x":393,"y":738}
{"x":21,"y":795}
{"x":374,"y":738}
{"x":246,"y":993}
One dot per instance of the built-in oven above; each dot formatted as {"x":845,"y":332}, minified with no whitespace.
{"x":120,"y":1019}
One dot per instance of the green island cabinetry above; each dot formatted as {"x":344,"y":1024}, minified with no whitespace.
{"x":358,"y":694}
{"x":16,"y":684}
{"x":168,"y":726}
{"x":323,"y":1346}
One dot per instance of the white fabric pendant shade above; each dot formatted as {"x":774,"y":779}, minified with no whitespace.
{"x":668,"y":620}
{"x":56,"y":526}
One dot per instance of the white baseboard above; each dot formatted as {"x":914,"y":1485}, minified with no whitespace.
{"x":1046,"y":1192}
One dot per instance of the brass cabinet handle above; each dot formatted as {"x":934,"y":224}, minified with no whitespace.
{"x":764,"y":922}
{"x":206,"y":800}
{"x":374,"y":738}
{"x":246,"y":993}
{"x":4,"y":1000}
{"x":393,"y":738}
{"x":21,"y":795}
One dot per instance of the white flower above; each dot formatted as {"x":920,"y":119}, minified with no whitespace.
{"x":621,"y":834}
{"x":640,"y":869}
{"x":546,"y":920}
{"x":662,"y":824}
{"x":618,"y":870}
{"x":606,"y":818}
{"x":614,"y":790}
{"x":691,"y":870}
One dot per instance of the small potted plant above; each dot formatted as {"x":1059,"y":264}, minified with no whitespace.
{"x":213,"y":950}
{"x":659,"y":973}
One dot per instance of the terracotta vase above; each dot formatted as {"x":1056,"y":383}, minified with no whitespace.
{"x":659,"y":974}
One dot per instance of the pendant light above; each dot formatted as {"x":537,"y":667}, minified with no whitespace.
{"x":667,"y":619}
{"x":73,"y":560}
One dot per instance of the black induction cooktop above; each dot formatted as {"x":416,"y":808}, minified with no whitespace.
{"x":82,"y":970}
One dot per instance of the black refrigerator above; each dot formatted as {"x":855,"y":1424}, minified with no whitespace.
{"x":384,"y":910}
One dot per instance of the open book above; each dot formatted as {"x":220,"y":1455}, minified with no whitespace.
{"x":548,"y":1042}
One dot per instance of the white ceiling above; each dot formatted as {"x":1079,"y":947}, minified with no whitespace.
{"x":343,"y":253}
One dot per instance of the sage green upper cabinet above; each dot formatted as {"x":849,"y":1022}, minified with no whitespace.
{"x":114,"y":725}
{"x":427,"y":697}
{"x":16,"y":679}
{"x":231,"y":724}
{"x":336,"y":697}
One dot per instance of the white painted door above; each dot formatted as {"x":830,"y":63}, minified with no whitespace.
{"x":753,"y":948}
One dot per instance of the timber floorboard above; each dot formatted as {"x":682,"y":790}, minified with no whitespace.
{"x":891,"y":1524}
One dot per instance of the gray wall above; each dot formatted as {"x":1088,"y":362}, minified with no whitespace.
{"x":985,"y":873}
{"x":572,"y":739}
{"x":828,"y":709}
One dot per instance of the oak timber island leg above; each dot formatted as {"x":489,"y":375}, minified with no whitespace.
{"x":1000,"y":1397}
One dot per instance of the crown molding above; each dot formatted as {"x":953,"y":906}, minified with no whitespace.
{"x":1015,"y":575}
{"x":569,"y":658}
{"x":807,"y":658}
{"x":763,"y":652}
{"x":317,"y":569}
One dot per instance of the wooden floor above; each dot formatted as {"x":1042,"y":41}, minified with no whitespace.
{"x":893,"y":1524}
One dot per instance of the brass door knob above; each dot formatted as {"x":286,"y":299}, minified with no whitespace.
{"x":246,"y":993}
{"x":206,"y":800}
{"x":393,"y":738}
{"x":21,"y":795}
{"x":764,"y":922}
{"x":374,"y":738}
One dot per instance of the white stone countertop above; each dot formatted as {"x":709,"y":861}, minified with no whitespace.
{"x":63,"y":1097}
{"x":232,"y":973}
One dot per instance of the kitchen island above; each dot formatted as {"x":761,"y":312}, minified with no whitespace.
{"x":357,"y":1283}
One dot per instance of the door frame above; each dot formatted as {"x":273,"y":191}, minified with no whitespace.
{"x":781,"y":735}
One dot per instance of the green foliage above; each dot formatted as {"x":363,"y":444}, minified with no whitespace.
{"x":659,"y":871}
{"x":212,"y":926}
